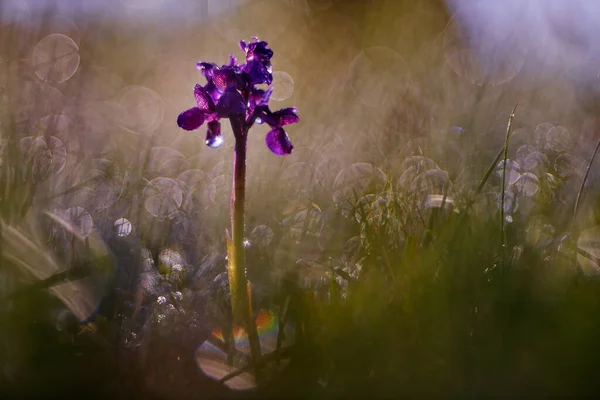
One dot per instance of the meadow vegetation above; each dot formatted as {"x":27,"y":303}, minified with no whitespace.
{"x":424,"y":237}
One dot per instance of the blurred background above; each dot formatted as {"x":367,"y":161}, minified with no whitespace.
{"x":376,"y":244}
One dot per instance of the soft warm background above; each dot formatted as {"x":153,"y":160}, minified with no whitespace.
{"x":100,"y":85}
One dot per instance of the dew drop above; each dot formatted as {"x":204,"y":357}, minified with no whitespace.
{"x":122,"y":227}
{"x":558,"y":138}
{"x":215,"y":141}
{"x":528,"y":184}
{"x":56,"y":58}
{"x":283,"y":86}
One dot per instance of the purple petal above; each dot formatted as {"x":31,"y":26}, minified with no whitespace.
{"x":212,"y":90}
{"x":243,"y":45}
{"x":213,"y":135}
{"x":265,"y":115}
{"x":203,"y":99}
{"x":206,"y":68}
{"x":258,"y":73}
{"x":232,"y":61}
{"x":255,"y":95}
{"x":220,"y":80}
{"x":259,"y":97}
{"x":286,"y":116}
{"x":269,"y":75}
{"x":226,"y":77}
{"x":266,"y":97}
{"x":230,"y":103}
{"x":191,"y":119}
{"x":257,"y":50}
{"x":278,"y":142}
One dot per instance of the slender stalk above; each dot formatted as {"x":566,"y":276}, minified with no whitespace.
{"x":574,"y":235}
{"x":239,"y":286}
{"x":484,"y":180}
{"x":503,"y":185}
{"x":276,"y":355}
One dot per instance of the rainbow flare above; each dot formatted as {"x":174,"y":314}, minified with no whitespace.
{"x":267,"y":324}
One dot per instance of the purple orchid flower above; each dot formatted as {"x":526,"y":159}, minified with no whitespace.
{"x":230,"y":92}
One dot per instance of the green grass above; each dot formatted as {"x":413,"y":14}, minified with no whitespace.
{"x":385,"y":296}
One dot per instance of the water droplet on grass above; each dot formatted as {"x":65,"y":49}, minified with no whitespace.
{"x":80,"y":220}
{"x":512,"y":172}
{"x":511,"y":202}
{"x":354,"y":182}
{"x":536,"y":163}
{"x":283,"y":86}
{"x":430,"y":182}
{"x":163,"y":197}
{"x":262,"y":235}
{"x":142,"y":109}
{"x":558,"y":138}
{"x":540,"y":135}
{"x":523,"y":152}
{"x":56,"y":58}
{"x":528,"y":184}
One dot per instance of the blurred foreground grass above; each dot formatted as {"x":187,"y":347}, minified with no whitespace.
{"x":361,"y":244}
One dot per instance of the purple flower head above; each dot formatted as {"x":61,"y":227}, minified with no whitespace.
{"x":230,"y":93}
{"x":206,"y":68}
{"x":256,"y":50}
{"x":258,"y":61}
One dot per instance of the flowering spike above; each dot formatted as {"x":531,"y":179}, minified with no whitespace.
{"x":231,"y":92}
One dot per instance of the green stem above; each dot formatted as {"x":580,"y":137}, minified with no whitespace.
{"x":574,"y":234}
{"x":503,"y":187}
{"x":240,"y":290}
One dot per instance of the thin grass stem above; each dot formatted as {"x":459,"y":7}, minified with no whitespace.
{"x":574,"y":234}
{"x":503,"y":186}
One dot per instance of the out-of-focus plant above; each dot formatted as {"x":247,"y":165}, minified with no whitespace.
{"x":231,"y":92}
